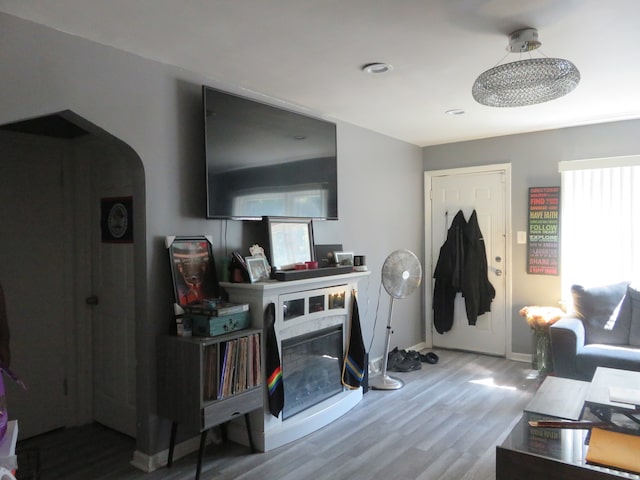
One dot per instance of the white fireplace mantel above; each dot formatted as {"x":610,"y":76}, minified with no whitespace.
{"x":269,"y":432}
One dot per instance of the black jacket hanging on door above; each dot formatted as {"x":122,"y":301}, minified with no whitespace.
{"x":476,"y":288}
{"x":448,"y":274}
{"x":462,"y":267}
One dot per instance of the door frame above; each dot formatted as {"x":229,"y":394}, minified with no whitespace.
{"x":80,"y":364}
{"x":504,"y":168}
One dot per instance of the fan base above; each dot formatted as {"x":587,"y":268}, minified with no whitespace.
{"x":385,"y":382}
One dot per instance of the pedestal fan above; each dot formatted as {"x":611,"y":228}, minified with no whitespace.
{"x":401,"y":276}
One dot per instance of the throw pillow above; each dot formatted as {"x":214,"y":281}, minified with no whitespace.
{"x":606,"y":320}
{"x":633,"y":292}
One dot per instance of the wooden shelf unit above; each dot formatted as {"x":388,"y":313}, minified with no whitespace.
{"x":193,"y":371}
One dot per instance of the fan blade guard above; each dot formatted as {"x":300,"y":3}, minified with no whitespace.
{"x":401,"y":273}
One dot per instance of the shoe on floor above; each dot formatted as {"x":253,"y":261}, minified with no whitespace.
{"x":429,"y":357}
{"x":402,"y":361}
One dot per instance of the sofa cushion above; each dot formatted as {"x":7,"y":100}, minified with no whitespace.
{"x":633,"y":294}
{"x":611,"y":356}
{"x":605,"y":319}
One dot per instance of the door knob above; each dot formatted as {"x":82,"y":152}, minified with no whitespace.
{"x":92,"y":300}
{"x":498,"y":272}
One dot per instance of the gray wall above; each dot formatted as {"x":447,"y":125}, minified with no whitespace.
{"x":534,"y":158}
{"x":155,"y":109}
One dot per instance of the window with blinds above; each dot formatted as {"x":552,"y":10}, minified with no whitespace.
{"x":600,"y":221}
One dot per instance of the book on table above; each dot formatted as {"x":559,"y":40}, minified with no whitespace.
{"x":614,"y":449}
{"x":626,"y":395}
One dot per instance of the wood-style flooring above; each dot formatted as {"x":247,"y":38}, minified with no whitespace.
{"x":443,"y":424}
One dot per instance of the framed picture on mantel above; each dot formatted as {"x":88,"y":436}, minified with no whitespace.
{"x":290,"y":242}
{"x":257,"y":268}
{"x":343,"y":258}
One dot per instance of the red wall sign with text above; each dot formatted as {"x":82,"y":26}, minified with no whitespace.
{"x":543,"y":252}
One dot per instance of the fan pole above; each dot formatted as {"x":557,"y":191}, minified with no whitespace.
{"x":383,"y":381}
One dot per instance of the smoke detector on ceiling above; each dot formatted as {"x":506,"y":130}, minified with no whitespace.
{"x":377,"y":68}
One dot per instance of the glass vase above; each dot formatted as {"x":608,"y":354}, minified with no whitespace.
{"x":543,"y":353}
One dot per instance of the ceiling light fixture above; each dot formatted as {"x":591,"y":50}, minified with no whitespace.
{"x":525,"y":82}
{"x":377,"y":68}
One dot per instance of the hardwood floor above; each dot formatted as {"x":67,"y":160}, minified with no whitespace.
{"x":443,"y":424}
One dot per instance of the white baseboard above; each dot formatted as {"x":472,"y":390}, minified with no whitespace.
{"x":150,"y":463}
{"x":419,"y":347}
{"x":520,"y":357}
{"x":375,"y":364}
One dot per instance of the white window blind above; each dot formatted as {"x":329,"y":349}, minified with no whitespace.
{"x":600,"y":221}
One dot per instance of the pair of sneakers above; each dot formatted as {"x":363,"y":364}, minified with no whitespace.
{"x":408,"y":360}
{"x":403,"y":361}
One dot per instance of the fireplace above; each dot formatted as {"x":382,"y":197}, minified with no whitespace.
{"x":311,"y":369}
{"x":312,"y":317}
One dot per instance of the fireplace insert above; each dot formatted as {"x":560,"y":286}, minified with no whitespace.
{"x":311,"y":369}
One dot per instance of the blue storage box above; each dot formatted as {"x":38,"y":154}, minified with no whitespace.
{"x":206,"y":326}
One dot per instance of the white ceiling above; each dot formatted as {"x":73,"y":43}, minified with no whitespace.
{"x":308,"y":53}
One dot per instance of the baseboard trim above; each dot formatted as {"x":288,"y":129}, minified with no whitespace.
{"x":521,"y":357}
{"x":150,"y":463}
{"x":375,"y":364}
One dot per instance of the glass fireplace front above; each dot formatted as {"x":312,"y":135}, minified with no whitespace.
{"x":311,"y":369}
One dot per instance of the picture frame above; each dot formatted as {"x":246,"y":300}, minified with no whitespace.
{"x":325,"y":254}
{"x":258,"y":268}
{"x":343,"y":258}
{"x":116,"y":219}
{"x":193,"y":269}
{"x":290,"y":241}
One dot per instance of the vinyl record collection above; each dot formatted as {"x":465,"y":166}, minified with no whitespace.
{"x":235,"y":370}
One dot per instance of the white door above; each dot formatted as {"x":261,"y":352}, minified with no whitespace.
{"x":114,"y":381}
{"x":34,"y":248}
{"x":484,"y":192}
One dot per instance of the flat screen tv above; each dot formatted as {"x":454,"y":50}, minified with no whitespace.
{"x":266,"y":161}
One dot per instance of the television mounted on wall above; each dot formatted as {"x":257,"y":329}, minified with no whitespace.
{"x":266,"y":161}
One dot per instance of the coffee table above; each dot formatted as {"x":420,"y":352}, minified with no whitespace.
{"x":551,"y":453}
{"x":560,"y":398}
{"x":598,"y":397}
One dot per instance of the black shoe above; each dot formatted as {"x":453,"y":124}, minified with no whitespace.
{"x":430,"y":357}
{"x":395,"y":357}
{"x":402,"y":361}
{"x":412,"y":354}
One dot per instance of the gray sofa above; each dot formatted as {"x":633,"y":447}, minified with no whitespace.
{"x":603,"y":331}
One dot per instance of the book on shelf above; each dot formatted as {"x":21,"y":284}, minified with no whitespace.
{"x":250,"y":365}
{"x":224,"y":365}
{"x":240,"y":365}
{"x":216,"y":308}
{"x":210,"y":374}
{"x":257,"y":368}
{"x":256,"y":377}
{"x":226,"y":374}
{"x":241,"y":383}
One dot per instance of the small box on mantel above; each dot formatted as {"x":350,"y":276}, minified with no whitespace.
{"x":208,"y":326}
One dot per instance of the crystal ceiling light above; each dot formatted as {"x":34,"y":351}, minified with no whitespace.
{"x":525,"y":82}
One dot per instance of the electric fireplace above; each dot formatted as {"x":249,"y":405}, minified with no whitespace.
{"x":311,"y":369}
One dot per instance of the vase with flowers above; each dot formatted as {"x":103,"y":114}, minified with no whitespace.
{"x":540,"y":319}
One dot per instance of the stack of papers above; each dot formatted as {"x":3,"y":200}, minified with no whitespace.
{"x":630,"y":396}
